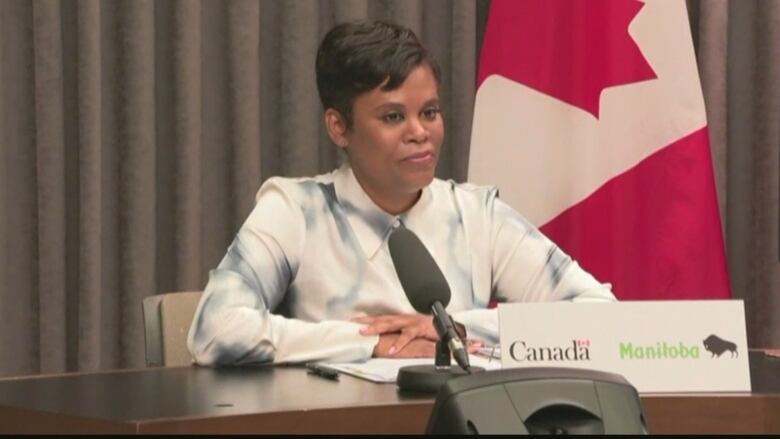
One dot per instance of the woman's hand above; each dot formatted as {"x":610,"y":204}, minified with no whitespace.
{"x":398,"y":331}
{"x":417,"y":348}
{"x":408,"y":327}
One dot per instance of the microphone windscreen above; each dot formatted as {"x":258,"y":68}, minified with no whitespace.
{"x":421,"y":279}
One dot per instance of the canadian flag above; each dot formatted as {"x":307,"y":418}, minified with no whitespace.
{"x":590,"y":120}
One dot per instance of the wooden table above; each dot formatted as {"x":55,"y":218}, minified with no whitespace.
{"x":288,"y":400}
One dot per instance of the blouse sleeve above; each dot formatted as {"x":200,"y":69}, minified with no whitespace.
{"x":526,"y":266}
{"x":234,"y":322}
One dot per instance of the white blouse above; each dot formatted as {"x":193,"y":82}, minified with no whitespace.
{"x":313,"y":254}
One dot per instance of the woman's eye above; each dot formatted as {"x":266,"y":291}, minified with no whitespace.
{"x":430,"y":113}
{"x":393,"y":117}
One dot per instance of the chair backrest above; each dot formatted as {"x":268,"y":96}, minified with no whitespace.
{"x":167,"y":319}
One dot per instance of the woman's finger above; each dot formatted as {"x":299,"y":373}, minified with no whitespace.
{"x":406,"y":336}
{"x":390,"y":324}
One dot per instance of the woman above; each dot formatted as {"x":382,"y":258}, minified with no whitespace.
{"x":309,"y":275}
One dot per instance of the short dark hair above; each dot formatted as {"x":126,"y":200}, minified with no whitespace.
{"x":356,"y":57}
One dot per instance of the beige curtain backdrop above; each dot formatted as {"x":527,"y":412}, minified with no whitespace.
{"x":134,"y":135}
{"x":738,"y":50}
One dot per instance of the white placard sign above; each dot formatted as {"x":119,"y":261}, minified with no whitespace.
{"x":658,"y":346}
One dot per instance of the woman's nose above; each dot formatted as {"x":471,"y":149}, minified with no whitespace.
{"x":416,"y":131}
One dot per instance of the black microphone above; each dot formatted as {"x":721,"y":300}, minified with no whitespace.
{"x":426,"y":288}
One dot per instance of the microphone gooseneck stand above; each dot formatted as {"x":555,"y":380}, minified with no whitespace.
{"x":428,"y":293}
{"x":429,"y":378}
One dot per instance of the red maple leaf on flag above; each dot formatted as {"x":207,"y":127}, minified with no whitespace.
{"x":568,"y":49}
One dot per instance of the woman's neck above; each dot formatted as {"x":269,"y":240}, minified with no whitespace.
{"x":394,"y":203}
{"x":397,"y":205}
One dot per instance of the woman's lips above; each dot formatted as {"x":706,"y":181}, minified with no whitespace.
{"x":421,"y":158}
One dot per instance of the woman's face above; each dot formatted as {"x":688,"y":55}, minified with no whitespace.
{"x":395,"y":139}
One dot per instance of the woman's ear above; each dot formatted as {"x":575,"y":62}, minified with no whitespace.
{"x":336,"y":126}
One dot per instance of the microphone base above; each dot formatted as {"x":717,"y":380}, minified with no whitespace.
{"x":429,"y":378}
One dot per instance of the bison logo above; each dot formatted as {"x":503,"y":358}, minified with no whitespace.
{"x":717,"y":346}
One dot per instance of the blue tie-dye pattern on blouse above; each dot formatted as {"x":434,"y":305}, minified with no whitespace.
{"x":315,"y":250}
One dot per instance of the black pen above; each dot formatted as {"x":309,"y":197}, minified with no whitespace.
{"x":323,"y":371}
